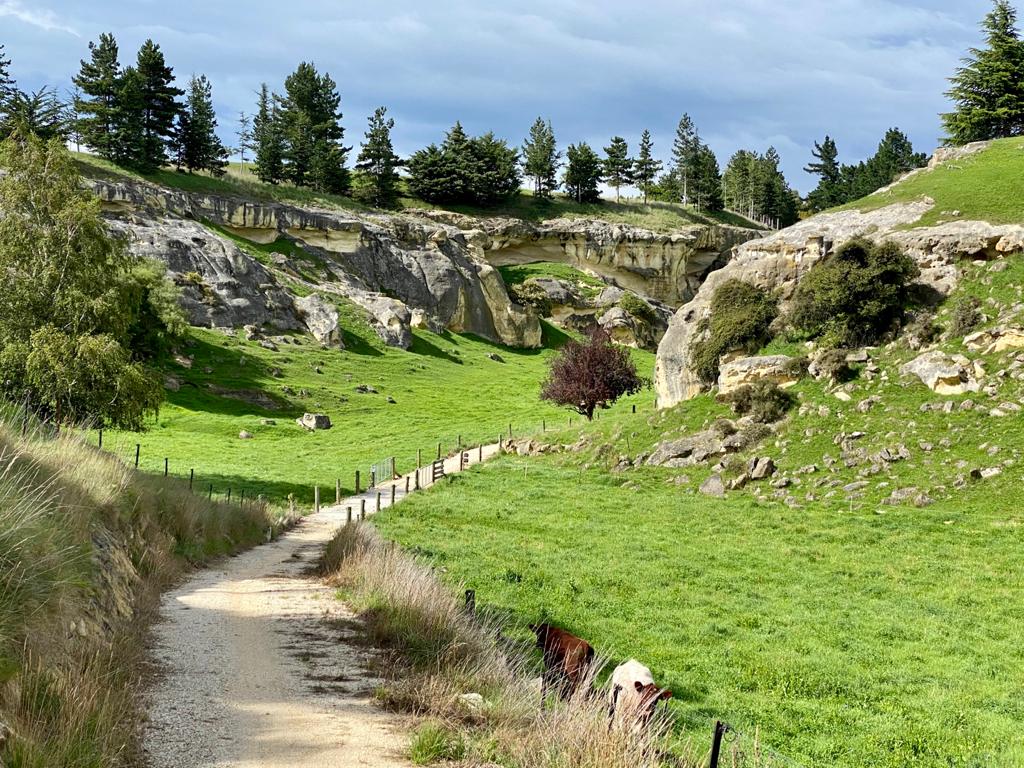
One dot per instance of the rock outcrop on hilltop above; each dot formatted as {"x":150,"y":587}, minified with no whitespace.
{"x":397,"y":268}
{"x":776,"y":263}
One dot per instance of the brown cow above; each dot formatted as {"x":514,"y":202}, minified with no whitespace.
{"x":567,"y":660}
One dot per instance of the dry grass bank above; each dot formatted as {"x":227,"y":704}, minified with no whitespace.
{"x":441,"y":653}
{"x":86,"y":544}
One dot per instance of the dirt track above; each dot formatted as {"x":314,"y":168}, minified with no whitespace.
{"x":260,"y":667}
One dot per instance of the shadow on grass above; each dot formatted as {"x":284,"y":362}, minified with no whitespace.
{"x":421,"y":346}
{"x":217,"y":486}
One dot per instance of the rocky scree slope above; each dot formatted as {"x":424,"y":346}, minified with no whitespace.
{"x":778,"y":262}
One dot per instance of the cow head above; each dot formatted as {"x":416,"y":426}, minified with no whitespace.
{"x":541,"y":631}
{"x":650,"y":695}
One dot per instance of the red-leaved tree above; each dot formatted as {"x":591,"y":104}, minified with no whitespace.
{"x":590,"y":375}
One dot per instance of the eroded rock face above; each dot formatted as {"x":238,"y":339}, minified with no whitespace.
{"x":776,"y":263}
{"x":997,"y":339}
{"x":376,"y":261}
{"x":321,"y":318}
{"x":665,"y":267}
{"x":781,"y":370}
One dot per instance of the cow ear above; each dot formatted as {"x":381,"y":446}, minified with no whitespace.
{"x":665,"y":695}
{"x":639,"y":686}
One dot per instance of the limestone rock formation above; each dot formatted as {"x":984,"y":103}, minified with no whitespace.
{"x":781,"y":370}
{"x":942,"y":373}
{"x":376,"y":261}
{"x":776,"y":263}
{"x":321,"y":318}
{"x":997,"y":339}
{"x":314,"y":421}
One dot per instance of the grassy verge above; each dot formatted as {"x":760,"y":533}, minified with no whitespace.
{"x":982,"y":187}
{"x":441,"y":654}
{"x":85,"y":546}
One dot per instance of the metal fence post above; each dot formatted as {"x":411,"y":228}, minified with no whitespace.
{"x":101,"y":439}
{"x":167,"y":466}
{"x":716,"y":744}
{"x":480,"y":453}
{"x":138,"y":449}
{"x":191,"y":477}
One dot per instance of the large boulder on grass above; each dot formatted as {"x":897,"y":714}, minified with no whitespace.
{"x":314,"y":421}
{"x":942,"y":373}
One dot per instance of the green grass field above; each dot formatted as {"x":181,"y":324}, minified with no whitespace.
{"x":984,"y":186}
{"x":847,"y":638}
{"x":444,"y":387}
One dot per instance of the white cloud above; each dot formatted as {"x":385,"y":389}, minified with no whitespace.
{"x":38,"y":17}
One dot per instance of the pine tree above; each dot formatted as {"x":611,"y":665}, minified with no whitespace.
{"x":618,"y":166}
{"x":128,"y":144}
{"x":706,"y":185}
{"x":268,"y":138}
{"x":988,"y":90}
{"x":476,"y":171}
{"x":160,"y":107}
{"x":99,"y":81}
{"x":684,"y":153}
{"x":41,"y":113}
{"x":246,"y":141}
{"x":540,"y":158}
{"x":495,"y":170}
{"x":829,"y":191}
{"x":198,"y":148}
{"x":378,"y":163}
{"x":646,"y":168}
{"x":582,"y":173}
{"x":6,"y":83}
{"x":312,"y":132}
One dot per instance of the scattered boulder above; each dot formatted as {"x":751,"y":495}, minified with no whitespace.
{"x":782,"y":370}
{"x":713,"y":486}
{"x":314,"y":421}
{"x":942,"y":373}
{"x":908,"y":496}
{"x":172,"y":384}
{"x":761,"y":468}
{"x":471,"y":702}
{"x":495,"y":357}
{"x":994,"y":340}
{"x":244,"y":435}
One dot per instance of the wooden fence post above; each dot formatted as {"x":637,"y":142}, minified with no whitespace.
{"x":349,"y":515}
{"x":407,"y":484}
{"x":337,"y":491}
{"x":393,"y":492}
{"x":634,"y":407}
{"x":459,"y":443}
{"x":419,"y":458}
{"x":210,"y":497}
{"x":357,"y":481}
{"x":362,"y":509}
{"x":716,"y":744}
{"x":439,"y":450}
{"x":373,"y":478}
{"x":378,"y":502}
{"x":229,"y":494}
{"x":417,"y":478}
{"x":543,"y":425}
{"x":316,"y":497}
{"x":480,"y":453}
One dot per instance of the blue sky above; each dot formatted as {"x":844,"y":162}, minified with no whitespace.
{"x":752,"y":73}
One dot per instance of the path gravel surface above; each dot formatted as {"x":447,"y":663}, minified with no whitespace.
{"x":261,"y":667}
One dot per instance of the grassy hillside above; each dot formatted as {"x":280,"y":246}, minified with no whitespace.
{"x":443,"y":388}
{"x":851,"y":632}
{"x":984,"y":186}
{"x":657,"y":216}
{"x":85,"y":545}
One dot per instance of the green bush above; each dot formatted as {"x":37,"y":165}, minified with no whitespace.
{"x":855,"y":295}
{"x":966,"y":316}
{"x":764,"y":401}
{"x":740,"y":317}
{"x":832,"y":365}
{"x":638,"y":308}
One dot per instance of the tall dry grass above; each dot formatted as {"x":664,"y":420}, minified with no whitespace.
{"x":86,"y":544}
{"x":441,"y":653}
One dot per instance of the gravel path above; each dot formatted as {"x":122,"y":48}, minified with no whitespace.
{"x":261,"y":667}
